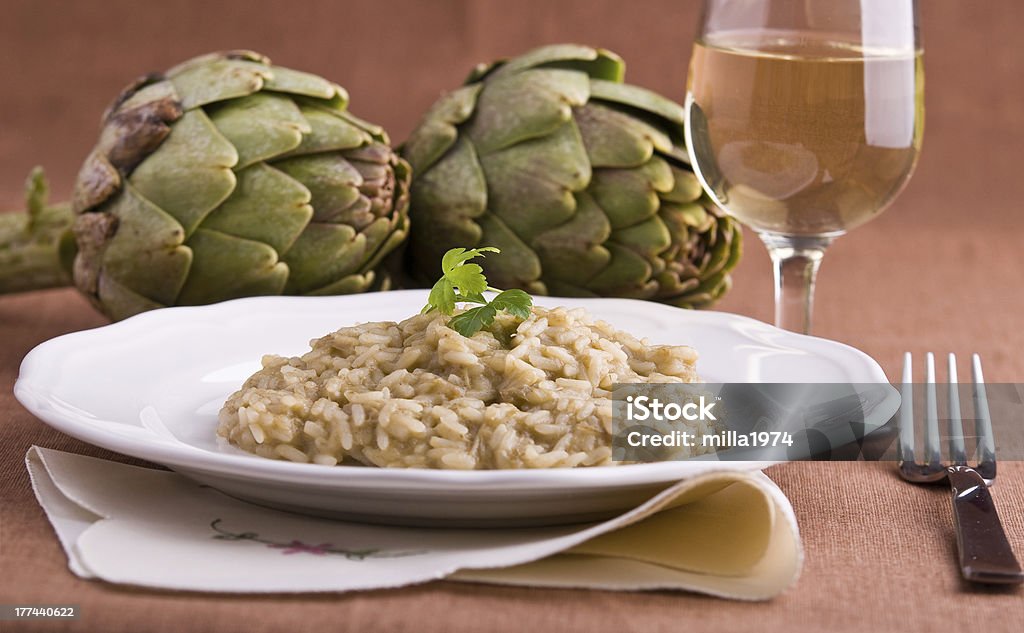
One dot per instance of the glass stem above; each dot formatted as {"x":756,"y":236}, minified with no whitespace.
{"x":796,"y":261}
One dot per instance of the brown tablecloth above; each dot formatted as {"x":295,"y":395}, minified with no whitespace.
{"x":943,"y":271}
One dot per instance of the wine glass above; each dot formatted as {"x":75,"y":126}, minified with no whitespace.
{"x":804,"y":120}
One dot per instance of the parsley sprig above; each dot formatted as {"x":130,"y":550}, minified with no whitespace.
{"x":464,"y":282}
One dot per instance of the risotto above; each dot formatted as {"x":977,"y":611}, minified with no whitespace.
{"x":534,"y":393}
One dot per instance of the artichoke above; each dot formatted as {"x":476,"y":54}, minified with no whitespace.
{"x":228,"y":177}
{"x":581,"y":180}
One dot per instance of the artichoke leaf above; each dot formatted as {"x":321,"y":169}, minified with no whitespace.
{"x":119,"y":302}
{"x":596,"y":62}
{"x":685,"y":188}
{"x":648,"y":238}
{"x":614,"y":139}
{"x":376,"y":131}
{"x":146,"y":254}
{"x":140,"y":96}
{"x":518,"y":266}
{"x":455,"y":188}
{"x":194,"y":153}
{"x":627,"y":275}
{"x":734,"y":235}
{"x":260,"y":126}
{"x":132,"y":128}
{"x":374,"y":235}
{"x":138,"y":126}
{"x":376,"y":176}
{"x":639,"y":98}
{"x":444,"y":204}
{"x":527,"y":105}
{"x":339,"y":102}
{"x":572,"y":252}
{"x":531,"y":184}
{"x":437,"y":132}
{"x":676,"y":281}
{"x":239,"y":54}
{"x":714,"y":285}
{"x":445,"y":233}
{"x":328,"y":132}
{"x":721,"y":253}
{"x":332,"y":181}
{"x":683,"y":218}
{"x":376,"y":153}
{"x":347,"y":285}
{"x":398,"y":229}
{"x":266,"y":206}
{"x":301,"y":83}
{"x":630,"y":196}
{"x":96,"y":182}
{"x":336,"y":105}
{"x":199,"y":84}
{"x":227,"y":267}
{"x":431,"y":250}
{"x":666,"y":114}
{"x":323,"y":254}
{"x":561,"y":288}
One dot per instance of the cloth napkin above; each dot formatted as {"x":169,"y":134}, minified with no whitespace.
{"x":730,"y":534}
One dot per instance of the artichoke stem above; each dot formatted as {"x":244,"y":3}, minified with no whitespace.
{"x":36,"y":246}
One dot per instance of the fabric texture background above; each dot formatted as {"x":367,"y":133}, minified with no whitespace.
{"x":942,"y":270}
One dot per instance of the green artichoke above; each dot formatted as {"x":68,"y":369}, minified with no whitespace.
{"x":228,"y":177}
{"x":582,"y":180}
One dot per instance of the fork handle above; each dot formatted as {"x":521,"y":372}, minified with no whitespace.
{"x":985,"y":554}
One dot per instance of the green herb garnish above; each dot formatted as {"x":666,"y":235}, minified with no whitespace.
{"x":464,"y":282}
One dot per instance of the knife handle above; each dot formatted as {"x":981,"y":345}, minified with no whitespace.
{"x":985,"y":554}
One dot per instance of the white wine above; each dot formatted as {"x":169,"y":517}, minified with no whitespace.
{"x":800,"y":133}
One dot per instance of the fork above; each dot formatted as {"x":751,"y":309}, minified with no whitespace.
{"x":985,"y":554}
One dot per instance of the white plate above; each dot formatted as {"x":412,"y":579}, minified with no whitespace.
{"x":151,"y":387}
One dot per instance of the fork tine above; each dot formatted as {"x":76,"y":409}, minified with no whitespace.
{"x":983,"y":423}
{"x":905,"y":419}
{"x":932,"y":451}
{"x":957,"y":453}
